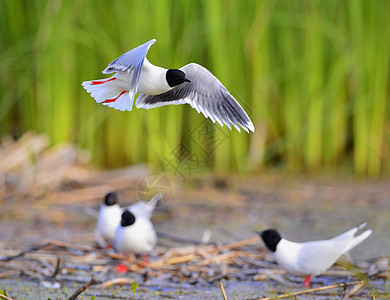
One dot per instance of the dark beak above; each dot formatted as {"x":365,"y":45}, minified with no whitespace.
{"x":187,"y":80}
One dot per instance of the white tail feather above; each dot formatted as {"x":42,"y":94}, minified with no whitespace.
{"x":145,"y":209}
{"x":358,"y":239}
{"x":110,"y":92}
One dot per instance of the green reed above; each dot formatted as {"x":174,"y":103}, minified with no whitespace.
{"x":312,"y":74}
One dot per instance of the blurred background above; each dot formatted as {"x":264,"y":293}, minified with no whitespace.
{"x":312,"y":75}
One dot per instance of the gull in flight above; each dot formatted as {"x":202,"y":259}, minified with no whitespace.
{"x":191,"y":84}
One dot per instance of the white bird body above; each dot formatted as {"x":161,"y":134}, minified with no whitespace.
{"x":314,"y":257}
{"x":191,"y":84}
{"x":139,"y":237}
{"x":135,"y":232}
{"x":287,"y":252}
{"x":108,"y":220}
{"x":110,"y":213}
{"x":152,"y":79}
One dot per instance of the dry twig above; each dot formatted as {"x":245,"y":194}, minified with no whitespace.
{"x":82,"y":289}
{"x":119,"y":280}
{"x":356,"y":289}
{"x":5,"y":297}
{"x":323,"y":288}
{"x":58,"y":268}
{"x":22,"y":253}
{"x":223,"y":291}
{"x":177,"y":239}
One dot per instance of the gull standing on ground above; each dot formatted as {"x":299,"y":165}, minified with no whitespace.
{"x":135,"y":234}
{"x":110,"y":214}
{"x":109,"y":218}
{"x":315,"y":257}
{"x":192,"y":84}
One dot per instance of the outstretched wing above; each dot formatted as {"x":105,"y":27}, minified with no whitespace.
{"x":131,"y":62}
{"x":206,"y":94}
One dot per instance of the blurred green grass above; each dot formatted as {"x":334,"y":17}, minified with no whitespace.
{"x":314,"y":76}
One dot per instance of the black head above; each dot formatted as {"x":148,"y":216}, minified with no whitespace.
{"x":111,"y":199}
{"x":127,"y":218}
{"x":271,"y":238}
{"x":175,"y":77}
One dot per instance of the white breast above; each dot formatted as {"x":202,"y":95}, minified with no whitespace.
{"x":137,"y":238}
{"x":152,"y":80}
{"x":108,"y":220}
{"x":286,"y":255}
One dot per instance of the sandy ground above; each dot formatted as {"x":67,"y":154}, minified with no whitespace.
{"x":231,"y":208}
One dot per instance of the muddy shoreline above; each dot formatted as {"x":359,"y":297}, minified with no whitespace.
{"x":229,"y":208}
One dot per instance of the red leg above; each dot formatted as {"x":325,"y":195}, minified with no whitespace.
{"x":114,"y":99}
{"x":122,"y":268}
{"x":306,"y":281}
{"x":95,"y":82}
{"x":145,"y":258}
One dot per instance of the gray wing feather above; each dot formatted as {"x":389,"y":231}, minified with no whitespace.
{"x":131,"y":62}
{"x":206,"y":94}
